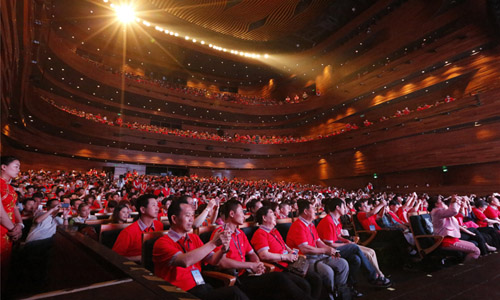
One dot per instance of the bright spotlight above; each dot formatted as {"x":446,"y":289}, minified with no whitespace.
{"x":125,"y":13}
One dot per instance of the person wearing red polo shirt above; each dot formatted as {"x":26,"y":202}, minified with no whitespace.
{"x":330,"y":232}
{"x":367,"y":216}
{"x":492,"y":211}
{"x":482,"y":220}
{"x":322,"y":258}
{"x":271,"y":248}
{"x":252,"y":280}
{"x":178,"y":255}
{"x":129,"y":241}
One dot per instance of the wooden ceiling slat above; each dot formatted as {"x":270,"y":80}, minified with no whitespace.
{"x":236,"y":20}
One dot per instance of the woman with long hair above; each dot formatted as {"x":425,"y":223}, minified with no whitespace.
{"x":120,"y":214}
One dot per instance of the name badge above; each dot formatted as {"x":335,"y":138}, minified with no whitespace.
{"x":372,"y":227}
{"x":344,"y":232}
{"x":197,"y":277}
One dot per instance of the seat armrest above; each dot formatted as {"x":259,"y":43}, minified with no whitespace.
{"x":437,"y":242}
{"x":229,"y":280}
{"x":371,"y":236}
{"x":269,"y":267}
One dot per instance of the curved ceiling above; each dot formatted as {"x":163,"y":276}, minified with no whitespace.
{"x":291,"y":25}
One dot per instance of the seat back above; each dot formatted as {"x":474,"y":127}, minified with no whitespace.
{"x":421,"y":224}
{"x":249,"y":231}
{"x":356,"y":223}
{"x":204,"y":232}
{"x":148,"y":242}
{"x":102,"y":216}
{"x":109,"y":233}
{"x":283,"y":229}
{"x":316,"y":221}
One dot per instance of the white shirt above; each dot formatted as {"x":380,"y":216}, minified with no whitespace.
{"x":45,"y":229}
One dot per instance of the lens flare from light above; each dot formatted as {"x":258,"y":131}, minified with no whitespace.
{"x":125,"y":13}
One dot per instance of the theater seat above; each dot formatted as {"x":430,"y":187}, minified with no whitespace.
{"x":205,"y":232}
{"x":283,"y":226}
{"x":422,"y":230}
{"x":148,"y":241}
{"x":109,"y":233}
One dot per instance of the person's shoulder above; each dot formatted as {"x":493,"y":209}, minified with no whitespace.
{"x":326,"y":221}
{"x":163,"y":241}
{"x":297,"y":225}
{"x":132,"y":227}
{"x":158,"y":225}
{"x":259,"y":233}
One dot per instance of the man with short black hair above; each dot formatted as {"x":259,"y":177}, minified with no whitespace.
{"x":45,"y":222}
{"x":322,"y":258}
{"x":330,"y":232}
{"x":252,"y":207}
{"x":243,"y":259}
{"x":178,"y":255}
{"x":284,"y":210}
{"x":83,"y":214}
{"x":29,"y":208}
{"x":129,"y":241}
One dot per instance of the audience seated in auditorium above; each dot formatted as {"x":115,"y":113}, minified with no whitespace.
{"x":44,"y":184}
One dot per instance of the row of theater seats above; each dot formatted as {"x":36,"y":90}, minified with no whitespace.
{"x":420,"y":224}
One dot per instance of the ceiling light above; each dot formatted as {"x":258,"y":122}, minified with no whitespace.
{"x":125,"y":13}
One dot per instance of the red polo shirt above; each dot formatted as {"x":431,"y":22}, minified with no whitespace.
{"x":480,"y":217}
{"x":270,"y":240}
{"x":129,"y":241}
{"x":301,"y":233}
{"x":491,"y":213}
{"x":366,"y":222}
{"x":329,"y":230}
{"x":402,"y":214}
{"x":239,"y":246}
{"x":169,"y":246}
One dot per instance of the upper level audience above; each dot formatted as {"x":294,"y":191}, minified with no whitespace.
{"x":236,"y":138}
{"x":187,"y":90}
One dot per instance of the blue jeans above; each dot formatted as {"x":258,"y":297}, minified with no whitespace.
{"x":356,"y":259}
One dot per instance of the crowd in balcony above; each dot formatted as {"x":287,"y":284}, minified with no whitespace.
{"x":236,"y":138}
{"x":187,"y":90}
